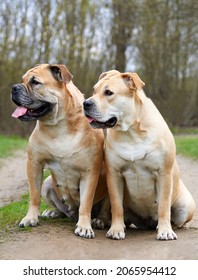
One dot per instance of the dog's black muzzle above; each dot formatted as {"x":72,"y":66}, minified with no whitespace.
{"x":20,"y":96}
{"x":29,"y":109}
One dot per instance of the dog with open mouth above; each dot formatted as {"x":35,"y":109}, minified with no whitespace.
{"x":62,"y":142}
{"x":142,"y":173}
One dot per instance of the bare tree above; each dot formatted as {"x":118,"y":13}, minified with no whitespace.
{"x":123,"y":23}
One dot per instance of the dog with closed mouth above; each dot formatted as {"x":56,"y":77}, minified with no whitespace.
{"x":142,"y":173}
{"x":63,"y":142}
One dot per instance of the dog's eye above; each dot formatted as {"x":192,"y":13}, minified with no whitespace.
{"x":35,"y":82}
{"x":108,"y":92}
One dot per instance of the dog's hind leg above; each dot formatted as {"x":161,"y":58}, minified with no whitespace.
{"x":183,"y":209}
{"x":51,"y":198}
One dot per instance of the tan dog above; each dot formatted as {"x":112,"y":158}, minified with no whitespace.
{"x":63,"y":142}
{"x":142,"y":172}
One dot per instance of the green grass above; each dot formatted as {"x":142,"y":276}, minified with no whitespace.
{"x":12,"y":214}
{"x":10,"y":144}
{"x":184,"y":130}
{"x":187,"y":146}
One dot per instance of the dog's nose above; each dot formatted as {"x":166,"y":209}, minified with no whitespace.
{"x":14,"y":92}
{"x":16,"y":87}
{"x":87,"y":104}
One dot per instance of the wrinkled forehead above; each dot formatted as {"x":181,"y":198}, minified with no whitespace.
{"x":112,"y":83}
{"x":39,"y":71}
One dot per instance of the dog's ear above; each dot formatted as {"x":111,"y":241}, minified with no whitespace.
{"x":108,"y":74}
{"x":61,"y":73}
{"x":133,"y":80}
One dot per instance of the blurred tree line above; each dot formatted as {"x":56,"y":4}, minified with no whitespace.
{"x":158,"y":39}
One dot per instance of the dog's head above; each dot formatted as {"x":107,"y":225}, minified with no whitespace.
{"x":40,"y":92}
{"x":114,"y":99}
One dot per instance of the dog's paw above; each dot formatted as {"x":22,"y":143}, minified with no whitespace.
{"x":52,"y":214}
{"x":98,"y":223}
{"x":116,"y":233}
{"x":166,"y":235}
{"x":84,"y":232}
{"x":29,"y":221}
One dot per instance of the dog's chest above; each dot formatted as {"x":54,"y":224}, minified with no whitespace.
{"x":139,"y":164}
{"x":65,"y":162}
{"x":65,"y":175}
{"x":130,"y":152}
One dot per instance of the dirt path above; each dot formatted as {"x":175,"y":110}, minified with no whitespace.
{"x":56,"y":241}
{"x":13,"y":179}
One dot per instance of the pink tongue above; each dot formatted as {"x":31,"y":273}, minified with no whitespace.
{"x":90,"y":119}
{"x":20,"y":111}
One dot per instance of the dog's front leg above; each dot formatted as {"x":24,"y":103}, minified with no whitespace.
{"x":88,"y":185}
{"x":116,"y":191}
{"x":165,"y":183}
{"x":35,"y":177}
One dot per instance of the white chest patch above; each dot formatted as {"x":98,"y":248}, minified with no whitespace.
{"x":133,"y":153}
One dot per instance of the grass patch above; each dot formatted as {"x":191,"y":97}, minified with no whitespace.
{"x":187,"y":146}
{"x":184,"y":130}
{"x":10,"y":144}
{"x":12,"y":214}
